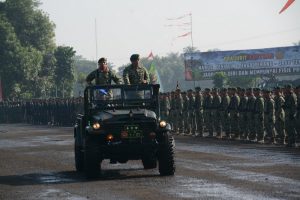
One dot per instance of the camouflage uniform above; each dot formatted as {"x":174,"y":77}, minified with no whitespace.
{"x":259,"y":116}
{"x":279,"y":116}
{"x":290,"y":107}
{"x":251,"y":115}
{"x":132,"y":75}
{"x":234,"y":113}
{"x":269,"y":117}
{"x":243,"y":115}
{"x":215,"y":112}
{"x":191,"y":113}
{"x":225,"y":119}
{"x":164,"y":107}
{"x":178,"y":121}
{"x":207,"y":106}
{"x":185,"y":112}
{"x":103,"y":78}
{"x":199,"y":111}
{"x":172,"y":113}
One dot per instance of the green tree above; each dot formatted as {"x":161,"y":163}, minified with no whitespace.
{"x":219,"y":79}
{"x":32,"y":26}
{"x":64,"y":70}
{"x":242,"y":81}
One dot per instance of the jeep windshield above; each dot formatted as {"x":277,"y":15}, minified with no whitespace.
{"x":121,"y":96}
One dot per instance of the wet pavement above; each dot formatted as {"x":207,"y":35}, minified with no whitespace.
{"x":36,"y":162}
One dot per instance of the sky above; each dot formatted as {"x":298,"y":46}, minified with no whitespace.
{"x":125,"y":27}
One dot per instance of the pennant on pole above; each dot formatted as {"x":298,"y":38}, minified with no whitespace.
{"x":184,"y":35}
{"x":181,"y":17}
{"x":286,"y":5}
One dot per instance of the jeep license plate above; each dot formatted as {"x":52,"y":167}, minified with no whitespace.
{"x":133,"y":131}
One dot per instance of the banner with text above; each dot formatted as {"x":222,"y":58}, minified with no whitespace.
{"x":280,"y":60}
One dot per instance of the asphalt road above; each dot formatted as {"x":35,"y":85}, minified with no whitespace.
{"x":37,"y":162}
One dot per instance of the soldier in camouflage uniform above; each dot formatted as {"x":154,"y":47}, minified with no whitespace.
{"x":234,"y":113}
{"x":207,"y":106}
{"x":199,"y":111}
{"x":103,"y":75}
{"x":135,"y":73}
{"x":224,"y":115}
{"x":290,"y":107}
{"x":185,"y":112}
{"x":251,"y":115}
{"x":164,"y":106}
{"x":191,"y":113}
{"x":269,"y":117}
{"x":259,"y":115}
{"x":298,"y":116}
{"x":216,"y":102}
{"x":178,"y":121}
{"x":243,"y":114}
{"x":279,"y":116}
{"x":172,"y":113}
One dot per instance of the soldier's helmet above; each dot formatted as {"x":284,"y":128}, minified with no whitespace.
{"x":134,"y":57}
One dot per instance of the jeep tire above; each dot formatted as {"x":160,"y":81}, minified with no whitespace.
{"x":166,"y":156}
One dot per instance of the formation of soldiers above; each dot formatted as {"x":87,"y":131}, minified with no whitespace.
{"x":58,"y":112}
{"x":228,"y":113}
{"x":252,"y":114}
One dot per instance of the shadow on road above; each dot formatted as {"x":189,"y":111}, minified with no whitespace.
{"x":70,"y":177}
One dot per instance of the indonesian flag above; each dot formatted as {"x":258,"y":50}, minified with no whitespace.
{"x":286,"y":5}
{"x":151,"y":56}
{"x":1,"y":95}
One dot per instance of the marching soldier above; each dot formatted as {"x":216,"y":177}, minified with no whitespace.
{"x":185,"y":113}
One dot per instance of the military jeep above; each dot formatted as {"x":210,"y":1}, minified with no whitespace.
{"x":121,"y":123}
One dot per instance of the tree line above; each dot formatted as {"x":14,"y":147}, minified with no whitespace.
{"x":31,"y":65}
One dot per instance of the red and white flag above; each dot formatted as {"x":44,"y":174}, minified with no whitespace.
{"x":151,"y":56}
{"x":1,"y":94}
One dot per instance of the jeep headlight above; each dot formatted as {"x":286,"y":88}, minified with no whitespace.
{"x":96,"y":125}
{"x":162,"y":124}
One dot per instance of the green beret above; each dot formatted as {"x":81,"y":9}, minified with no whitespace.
{"x":102,"y":60}
{"x":134,"y":57}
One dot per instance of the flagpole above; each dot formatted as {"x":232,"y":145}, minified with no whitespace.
{"x":192,"y":30}
{"x":96,"y":39}
{"x":192,"y":40}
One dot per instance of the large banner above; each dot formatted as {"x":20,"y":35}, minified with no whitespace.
{"x":280,"y":60}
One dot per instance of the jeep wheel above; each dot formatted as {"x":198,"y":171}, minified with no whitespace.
{"x":92,"y":161}
{"x":149,"y":162}
{"x":166,"y":156}
{"x":79,"y":158}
